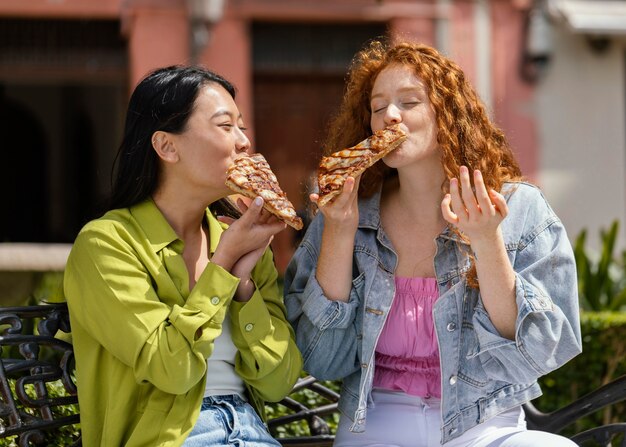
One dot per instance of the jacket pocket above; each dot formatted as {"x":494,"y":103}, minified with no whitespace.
{"x":358,"y":285}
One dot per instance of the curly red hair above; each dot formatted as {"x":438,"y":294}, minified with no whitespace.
{"x":465,"y":134}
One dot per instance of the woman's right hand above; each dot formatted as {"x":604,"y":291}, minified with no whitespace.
{"x":341,"y":220}
{"x":246,"y":238}
{"x":342,"y":213}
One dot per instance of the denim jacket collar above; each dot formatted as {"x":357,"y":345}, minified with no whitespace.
{"x":369,"y":217}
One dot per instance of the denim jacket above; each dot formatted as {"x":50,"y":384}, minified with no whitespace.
{"x":482,"y":373}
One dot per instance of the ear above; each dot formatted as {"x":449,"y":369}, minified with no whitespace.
{"x":163,"y":145}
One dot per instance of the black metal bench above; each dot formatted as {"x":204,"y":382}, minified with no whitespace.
{"x":34,"y":365}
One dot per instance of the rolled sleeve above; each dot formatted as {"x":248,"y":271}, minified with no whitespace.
{"x":267,"y":356}
{"x":251,"y":320}
{"x":200,"y":319}
{"x":324,"y":313}
{"x":547,"y":325}
{"x":325,"y":329}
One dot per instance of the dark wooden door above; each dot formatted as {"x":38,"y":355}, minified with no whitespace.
{"x":291,"y":113}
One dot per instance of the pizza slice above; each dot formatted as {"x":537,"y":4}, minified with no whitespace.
{"x":338,"y":166}
{"x":251,"y":176}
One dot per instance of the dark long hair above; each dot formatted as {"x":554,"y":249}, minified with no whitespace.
{"x":164,"y":100}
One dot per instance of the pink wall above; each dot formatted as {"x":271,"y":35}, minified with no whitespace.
{"x":229,"y":54}
{"x":513,"y":98}
{"x":463,"y":38}
{"x":66,"y":8}
{"x":156,"y":37}
{"x":416,"y":29}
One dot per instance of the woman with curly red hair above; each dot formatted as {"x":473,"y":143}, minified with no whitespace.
{"x":439,"y":285}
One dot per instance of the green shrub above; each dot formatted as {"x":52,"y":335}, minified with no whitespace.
{"x":603,"y":359}
{"x":601,"y":281}
{"x":602,"y":294}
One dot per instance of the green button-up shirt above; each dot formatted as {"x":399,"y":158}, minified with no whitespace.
{"x":141,"y":337}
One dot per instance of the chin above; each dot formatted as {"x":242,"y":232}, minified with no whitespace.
{"x":393,"y":160}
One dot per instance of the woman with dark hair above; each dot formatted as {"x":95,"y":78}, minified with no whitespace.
{"x":443,"y":285}
{"x":178,"y":324}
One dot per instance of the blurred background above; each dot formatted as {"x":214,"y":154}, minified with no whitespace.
{"x":551,"y":72}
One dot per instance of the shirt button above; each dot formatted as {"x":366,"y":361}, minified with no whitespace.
{"x":363,"y":365}
{"x":451,"y":327}
{"x":215,"y":300}
{"x":249,"y":327}
{"x":452,"y":380}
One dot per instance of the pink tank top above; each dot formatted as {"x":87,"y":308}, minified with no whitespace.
{"x":407,"y":355}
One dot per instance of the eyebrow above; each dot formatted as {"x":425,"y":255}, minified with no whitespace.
{"x":417,"y":88}
{"x":225,"y":112}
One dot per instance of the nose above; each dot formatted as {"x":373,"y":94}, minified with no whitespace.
{"x":243,"y":143}
{"x":392,"y":115}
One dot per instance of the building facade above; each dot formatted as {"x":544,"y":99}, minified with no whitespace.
{"x":67,"y":68}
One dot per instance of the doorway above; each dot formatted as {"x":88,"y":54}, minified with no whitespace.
{"x":299,"y":72}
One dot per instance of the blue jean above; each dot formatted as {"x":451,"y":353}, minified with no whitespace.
{"x":227,"y":421}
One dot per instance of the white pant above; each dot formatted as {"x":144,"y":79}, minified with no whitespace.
{"x":400,"y":420}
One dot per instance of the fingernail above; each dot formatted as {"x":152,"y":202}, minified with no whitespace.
{"x":258,"y":201}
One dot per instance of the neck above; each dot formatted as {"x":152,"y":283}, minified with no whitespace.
{"x":185,"y":213}
{"x":418,"y":192}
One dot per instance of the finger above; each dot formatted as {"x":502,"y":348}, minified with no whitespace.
{"x":226,"y":219}
{"x":357,"y":182}
{"x":254,"y":210}
{"x":342,"y":199}
{"x":275,"y":227}
{"x":467,"y":193}
{"x":242,"y":205}
{"x":447,"y":212}
{"x":264,"y":217}
{"x":500,"y":202}
{"x":314,"y":198}
{"x":457,"y":203}
{"x":347,"y":193}
{"x":486,"y":206}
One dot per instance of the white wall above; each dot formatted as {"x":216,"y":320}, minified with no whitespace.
{"x":580,"y":110}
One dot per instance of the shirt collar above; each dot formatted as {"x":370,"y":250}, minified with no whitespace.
{"x":159,"y":232}
{"x":216,"y":228}
{"x":157,"y":229}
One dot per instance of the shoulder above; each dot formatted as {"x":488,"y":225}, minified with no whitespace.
{"x":526,"y":198}
{"x":529,"y":211}
{"x":112,"y":223}
{"x":116,"y":228}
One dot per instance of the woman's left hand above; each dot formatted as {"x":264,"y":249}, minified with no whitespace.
{"x":476,"y":213}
